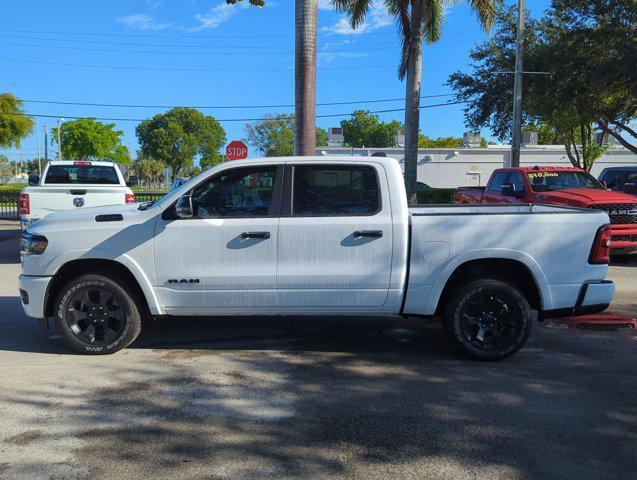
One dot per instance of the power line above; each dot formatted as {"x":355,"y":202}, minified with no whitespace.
{"x":289,"y":105}
{"x":104,"y":42}
{"x":170,"y":69}
{"x":74,"y":117}
{"x":149,"y":35}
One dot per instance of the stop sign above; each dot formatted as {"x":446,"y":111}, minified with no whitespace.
{"x":236,"y":150}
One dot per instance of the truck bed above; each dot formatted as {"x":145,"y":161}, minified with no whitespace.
{"x":446,"y":236}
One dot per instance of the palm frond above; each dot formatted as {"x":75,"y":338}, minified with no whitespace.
{"x":356,"y":10}
{"x":485,"y":11}
{"x":433,"y":21}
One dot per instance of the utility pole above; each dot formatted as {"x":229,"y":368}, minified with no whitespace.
{"x":46,"y":143}
{"x":37,"y":137}
{"x":516,"y":136}
{"x":60,"y":121}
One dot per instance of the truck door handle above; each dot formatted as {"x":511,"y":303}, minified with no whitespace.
{"x":255,"y":235}
{"x":78,"y":192}
{"x":368,"y":233}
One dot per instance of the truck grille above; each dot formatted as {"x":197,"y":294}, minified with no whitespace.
{"x":624,"y":238}
{"x":619,"y":213}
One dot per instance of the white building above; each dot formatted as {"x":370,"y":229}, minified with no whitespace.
{"x":453,"y":167}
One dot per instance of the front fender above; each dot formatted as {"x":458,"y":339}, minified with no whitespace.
{"x":154,"y":303}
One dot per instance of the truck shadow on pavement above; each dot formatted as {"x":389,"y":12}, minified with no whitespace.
{"x":359,"y":404}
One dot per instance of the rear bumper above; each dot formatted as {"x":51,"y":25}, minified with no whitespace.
{"x":594,"y":297}
{"x":623,"y":238}
{"x":32,"y":293}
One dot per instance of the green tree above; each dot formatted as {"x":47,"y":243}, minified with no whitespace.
{"x":88,"y":139}
{"x":6,"y":169}
{"x":588,"y":83}
{"x":321,"y":137}
{"x":14,"y":122}
{"x":418,"y":21}
{"x":441,"y":142}
{"x":180,"y":135}
{"x":364,"y":129}
{"x":149,"y":169}
{"x":273,"y":136}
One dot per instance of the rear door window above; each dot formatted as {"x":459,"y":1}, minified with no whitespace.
{"x":321,"y":190}
{"x":517,"y":181}
{"x":81,"y":174}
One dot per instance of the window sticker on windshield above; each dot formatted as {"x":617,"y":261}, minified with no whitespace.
{"x":73,"y":176}
{"x":543,"y":174}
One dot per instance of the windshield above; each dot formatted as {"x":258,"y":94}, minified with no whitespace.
{"x":81,"y":174}
{"x":551,"y":181}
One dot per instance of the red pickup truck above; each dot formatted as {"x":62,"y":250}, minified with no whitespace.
{"x":560,"y":186}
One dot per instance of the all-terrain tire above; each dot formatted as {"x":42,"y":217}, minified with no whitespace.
{"x":487,"y":318}
{"x":96,"y":315}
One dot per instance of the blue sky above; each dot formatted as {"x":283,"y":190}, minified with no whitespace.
{"x":206,"y":53}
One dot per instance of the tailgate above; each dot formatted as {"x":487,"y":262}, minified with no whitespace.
{"x":47,"y":200}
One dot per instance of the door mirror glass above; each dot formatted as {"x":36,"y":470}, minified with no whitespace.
{"x":183,"y":208}
{"x":34,"y":180}
{"x":630,"y":188}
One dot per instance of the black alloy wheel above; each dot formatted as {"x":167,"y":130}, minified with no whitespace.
{"x":487,"y":319}
{"x":96,"y":314}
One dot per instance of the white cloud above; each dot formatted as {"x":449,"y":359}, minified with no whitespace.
{"x":376,"y":18}
{"x":217,"y":15}
{"x":325,"y":5}
{"x":143,"y":22}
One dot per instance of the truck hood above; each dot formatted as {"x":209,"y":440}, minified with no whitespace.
{"x":584,"y":197}
{"x":84,"y":219}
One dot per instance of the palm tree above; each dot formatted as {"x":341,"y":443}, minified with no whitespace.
{"x":418,"y":21}
{"x":306,"y":14}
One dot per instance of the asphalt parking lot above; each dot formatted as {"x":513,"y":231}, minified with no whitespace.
{"x":313,"y":398}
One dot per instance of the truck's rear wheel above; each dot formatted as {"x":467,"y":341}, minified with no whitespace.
{"x":487,"y":319}
{"x":96,"y":315}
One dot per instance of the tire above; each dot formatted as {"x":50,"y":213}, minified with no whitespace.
{"x":95,"y":314}
{"x":487,"y":319}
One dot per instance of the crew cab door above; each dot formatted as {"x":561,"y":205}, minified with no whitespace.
{"x":224,"y":258}
{"x":335,"y":236}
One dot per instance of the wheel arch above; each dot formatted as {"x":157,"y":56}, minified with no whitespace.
{"x":511,"y":270}
{"x":81,"y":266}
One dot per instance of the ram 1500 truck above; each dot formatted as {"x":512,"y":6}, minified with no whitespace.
{"x":560,"y":186}
{"x":313,"y":236}
{"x":68,"y":185}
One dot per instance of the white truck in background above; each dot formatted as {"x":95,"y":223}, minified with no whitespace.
{"x":71,"y":185}
{"x":313,"y":236}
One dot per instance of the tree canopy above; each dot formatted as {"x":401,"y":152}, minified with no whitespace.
{"x":364,"y":129}
{"x":588,"y":52}
{"x":88,"y":139}
{"x":180,"y":135}
{"x":273,"y":136}
{"x":441,"y":142}
{"x":14,"y":122}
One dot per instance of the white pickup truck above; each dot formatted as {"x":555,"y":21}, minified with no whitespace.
{"x":68,"y":185}
{"x":326,"y":236}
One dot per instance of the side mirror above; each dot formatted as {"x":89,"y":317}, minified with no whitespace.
{"x":630,"y":188}
{"x":508,"y":190}
{"x":34,"y":180}
{"x":183,"y":208}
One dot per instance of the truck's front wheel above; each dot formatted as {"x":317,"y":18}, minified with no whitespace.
{"x":487,"y":319}
{"x":96,"y":315}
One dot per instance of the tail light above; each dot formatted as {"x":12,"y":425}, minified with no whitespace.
{"x":600,"y":252}
{"x":23,"y":204}
{"x":130,"y":198}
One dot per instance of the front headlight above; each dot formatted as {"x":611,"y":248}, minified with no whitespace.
{"x":32,"y":244}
